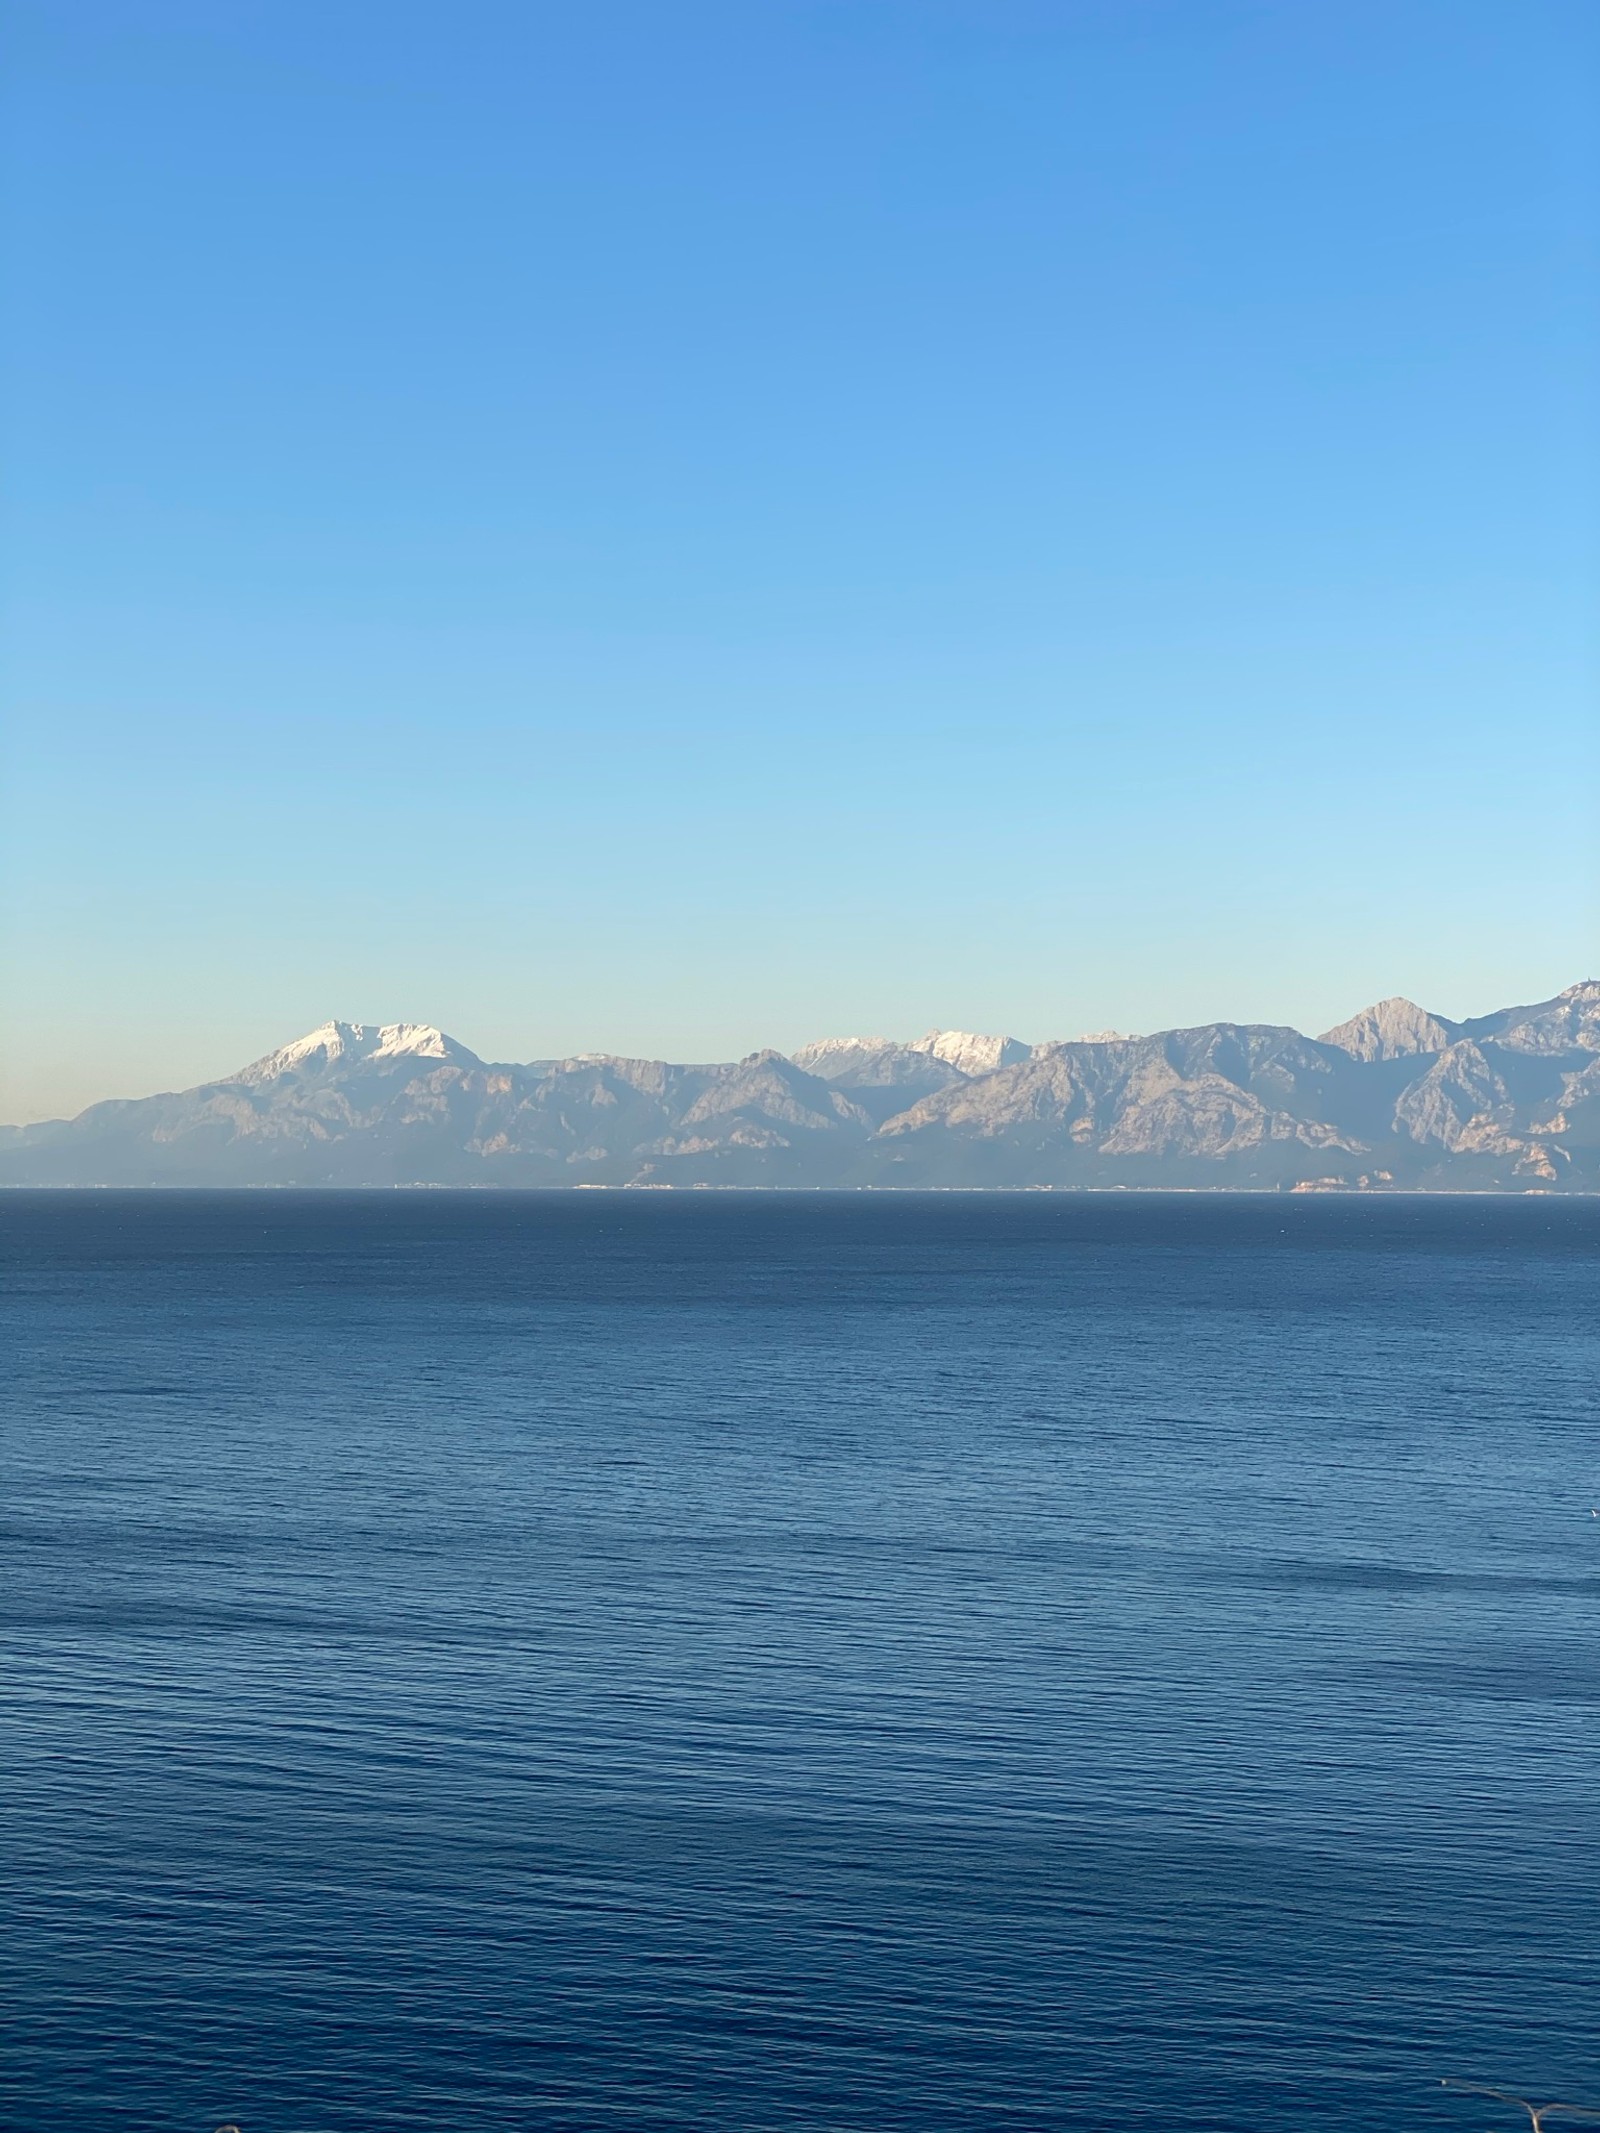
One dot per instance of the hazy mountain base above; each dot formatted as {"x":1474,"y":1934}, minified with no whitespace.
{"x":1395,"y":1099}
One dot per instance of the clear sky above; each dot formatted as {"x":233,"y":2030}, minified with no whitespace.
{"x":671,"y":528}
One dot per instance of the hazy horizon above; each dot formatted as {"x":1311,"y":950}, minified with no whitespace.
{"x":671,"y":531}
{"x":510,"y":1054}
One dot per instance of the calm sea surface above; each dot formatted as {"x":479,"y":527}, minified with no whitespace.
{"x":711,"y":1661}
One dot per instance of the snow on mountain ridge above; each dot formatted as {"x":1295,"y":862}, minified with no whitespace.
{"x":970,"y":1052}
{"x":964,"y":1050}
{"x":814,"y":1057}
{"x":363,"y":1043}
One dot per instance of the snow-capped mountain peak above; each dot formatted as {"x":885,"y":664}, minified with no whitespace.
{"x":963,"y":1050}
{"x":356,"y":1043}
{"x":971,"y":1053}
{"x":828,"y":1056}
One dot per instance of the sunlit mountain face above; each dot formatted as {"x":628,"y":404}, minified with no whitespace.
{"x":1394,"y":1099}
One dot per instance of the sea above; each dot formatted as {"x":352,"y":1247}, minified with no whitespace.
{"x":795,"y":1663}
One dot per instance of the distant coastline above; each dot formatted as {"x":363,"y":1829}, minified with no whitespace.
{"x":1395,"y":1100}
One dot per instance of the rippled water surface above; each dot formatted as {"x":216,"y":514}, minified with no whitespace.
{"x":739,"y":1662}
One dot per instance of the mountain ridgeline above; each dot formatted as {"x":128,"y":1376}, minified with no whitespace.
{"x":1394,"y":1099}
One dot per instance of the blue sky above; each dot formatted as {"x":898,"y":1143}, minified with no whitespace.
{"x":674,"y":528}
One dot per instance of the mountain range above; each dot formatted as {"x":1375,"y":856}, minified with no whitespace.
{"x":1394,"y":1099}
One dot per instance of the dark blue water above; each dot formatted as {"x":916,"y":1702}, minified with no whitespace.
{"x":761,"y":1662}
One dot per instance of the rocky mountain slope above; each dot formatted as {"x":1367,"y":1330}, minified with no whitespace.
{"x":1393,"y":1099}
